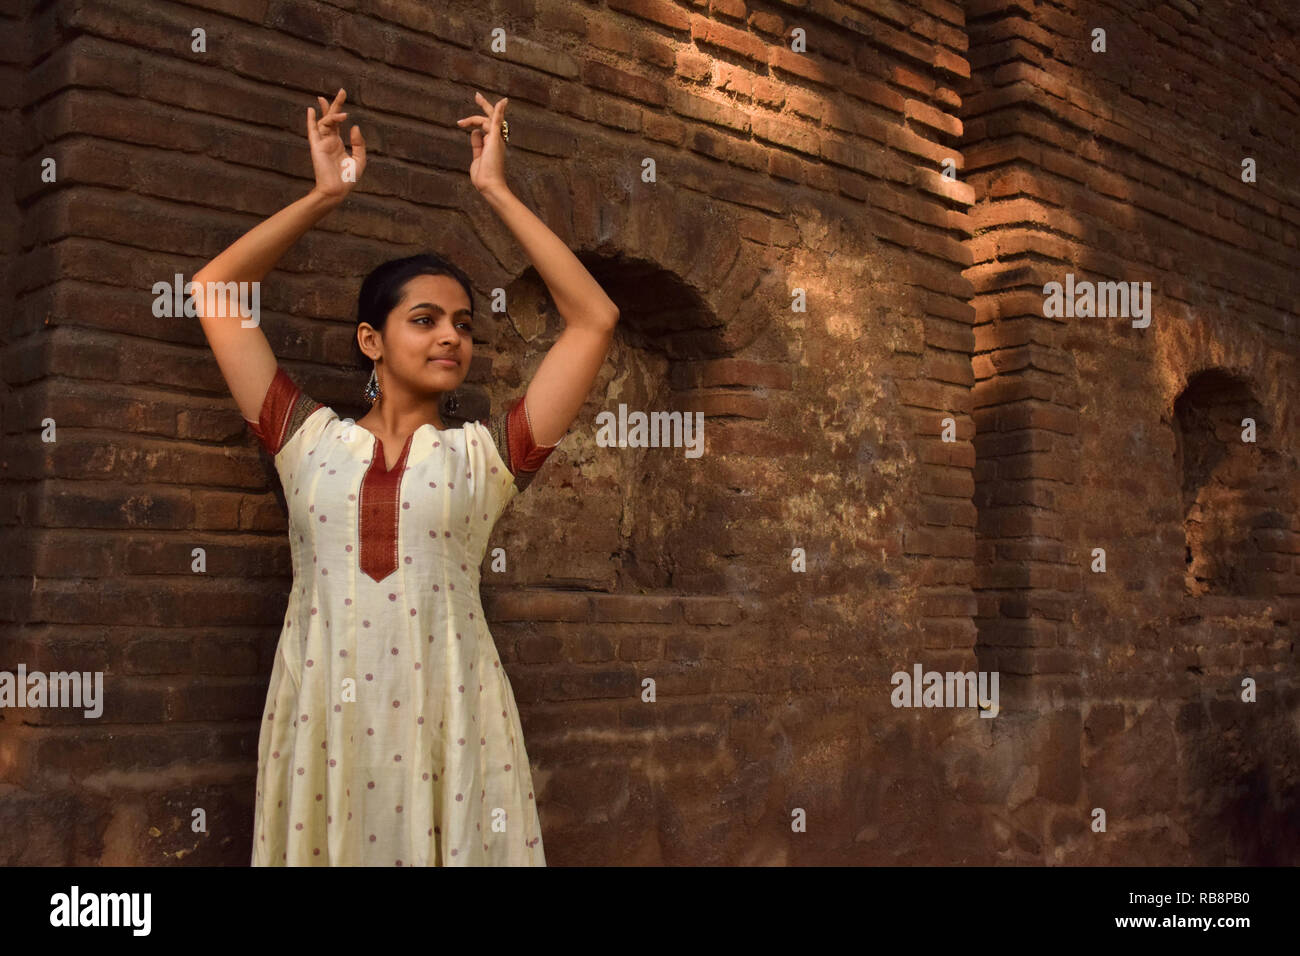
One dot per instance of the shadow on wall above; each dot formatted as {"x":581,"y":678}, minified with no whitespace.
{"x":1242,"y":810}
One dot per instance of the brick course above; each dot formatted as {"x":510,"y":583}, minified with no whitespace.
{"x":775,"y":171}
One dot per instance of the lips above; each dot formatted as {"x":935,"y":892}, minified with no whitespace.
{"x":445,"y":362}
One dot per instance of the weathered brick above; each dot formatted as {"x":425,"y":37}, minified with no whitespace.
{"x":776,"y":170}
{"x":659,"y":12}
{"x":709,"y":33}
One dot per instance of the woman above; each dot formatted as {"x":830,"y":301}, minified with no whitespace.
{"x":390,"y":735}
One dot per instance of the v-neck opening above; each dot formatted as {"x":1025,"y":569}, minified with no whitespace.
{"x":377,"y":453}
{"x":377,"y":448}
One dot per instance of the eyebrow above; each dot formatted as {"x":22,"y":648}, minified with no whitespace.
{"x":437,"y":308}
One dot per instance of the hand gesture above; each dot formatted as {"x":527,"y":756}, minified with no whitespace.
{"x":336,"y":171}
{"x":488,"y":169}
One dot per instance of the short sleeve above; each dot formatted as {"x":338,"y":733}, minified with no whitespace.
{"x":513,"y":435}
{"x":284,"y":410}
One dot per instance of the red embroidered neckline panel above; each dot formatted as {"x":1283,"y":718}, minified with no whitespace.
{"x":379,"y":512}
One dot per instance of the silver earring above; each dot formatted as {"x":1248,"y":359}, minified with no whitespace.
{"x":371,"y":391}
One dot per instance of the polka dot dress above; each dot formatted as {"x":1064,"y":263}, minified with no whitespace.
{"x":390,"y":735}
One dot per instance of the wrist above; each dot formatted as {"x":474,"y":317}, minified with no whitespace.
{"x":496,"y":193}
{"x":323,"y":201}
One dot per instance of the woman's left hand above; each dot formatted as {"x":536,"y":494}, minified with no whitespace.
{"x":488,"y":170}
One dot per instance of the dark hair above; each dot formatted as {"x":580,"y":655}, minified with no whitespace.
{"x":382,"y":290}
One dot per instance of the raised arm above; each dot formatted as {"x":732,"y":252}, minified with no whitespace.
{"x":243,"y":353}
{"x":564,"y":379}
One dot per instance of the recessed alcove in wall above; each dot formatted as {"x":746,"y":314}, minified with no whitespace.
{"x":660,"y":499}
{"x":1231,"y":490}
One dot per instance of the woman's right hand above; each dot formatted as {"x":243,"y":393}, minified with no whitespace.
{"x":336,"y":171}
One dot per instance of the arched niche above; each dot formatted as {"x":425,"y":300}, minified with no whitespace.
{"x":1231,"y":488}
{"x":626,"y":519}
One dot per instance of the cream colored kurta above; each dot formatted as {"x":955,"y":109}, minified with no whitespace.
{"x":390,"y":735}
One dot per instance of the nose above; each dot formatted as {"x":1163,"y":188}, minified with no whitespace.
{"x":450,"y":335}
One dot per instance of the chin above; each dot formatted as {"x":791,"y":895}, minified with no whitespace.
{"x":444,"y":375}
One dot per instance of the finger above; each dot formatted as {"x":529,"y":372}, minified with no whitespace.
{"x":324,"y":105}
{"x":358,"y":148}
{"x":476,"y":141}
{"x":312,"y":133}
{"x":338,"y":100}
{"x":330,"y":131}
{"x":333,"y":119}
{"x":483,"y":125}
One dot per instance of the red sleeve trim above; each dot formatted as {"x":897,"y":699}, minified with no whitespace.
{"x":272,"y":428}
{"x":525,"y":454}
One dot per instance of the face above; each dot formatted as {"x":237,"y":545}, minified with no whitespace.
{"x":431,"y":323}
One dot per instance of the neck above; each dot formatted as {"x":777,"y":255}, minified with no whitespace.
{"x":393,"y":417}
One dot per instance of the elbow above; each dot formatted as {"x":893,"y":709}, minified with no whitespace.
{"x":601,"y":320}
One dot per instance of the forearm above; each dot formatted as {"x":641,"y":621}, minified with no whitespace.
{"x":577,"y":296}
{"x":257,"y":251}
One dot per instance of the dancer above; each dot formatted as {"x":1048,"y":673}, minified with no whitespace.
{"x":390,"y":735}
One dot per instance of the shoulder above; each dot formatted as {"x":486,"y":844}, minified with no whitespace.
{"x":512,"y":435}
{"x":285,"y":411}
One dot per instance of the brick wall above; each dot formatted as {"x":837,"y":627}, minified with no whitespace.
{"x":1125,"y":165}
{"x":777,"y":171}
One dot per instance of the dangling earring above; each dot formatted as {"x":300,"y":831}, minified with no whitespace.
{"x":453,"y":406}
{"x":371,"y":391}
